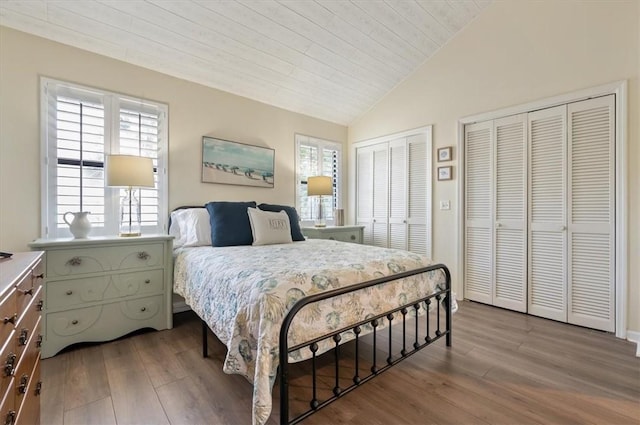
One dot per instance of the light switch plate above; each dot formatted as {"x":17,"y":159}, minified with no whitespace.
{"x":445,"y":205}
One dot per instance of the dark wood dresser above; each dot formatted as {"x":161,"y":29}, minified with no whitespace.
{"x":21,"y":296}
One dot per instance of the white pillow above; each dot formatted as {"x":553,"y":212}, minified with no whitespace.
{"x":174,"y":228}
{"x":194,"y":225}
{"x":269,"y":227}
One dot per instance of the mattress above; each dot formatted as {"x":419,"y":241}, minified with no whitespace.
{"x":243,"y":293}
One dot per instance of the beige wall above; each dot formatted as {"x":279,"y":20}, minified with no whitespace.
{"x":194,"y":111}
{"x":517,"y":52}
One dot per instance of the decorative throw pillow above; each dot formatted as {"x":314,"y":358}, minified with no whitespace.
{"x":294,"y":218}
{"x":230,"y":223}
{"x":269,"y":227}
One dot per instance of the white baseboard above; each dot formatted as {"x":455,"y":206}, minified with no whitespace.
{"x":634,"y":336}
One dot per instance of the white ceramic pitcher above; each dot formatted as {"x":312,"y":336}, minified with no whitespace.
{"x":80,"y":225}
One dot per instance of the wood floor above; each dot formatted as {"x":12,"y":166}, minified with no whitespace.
{"x":503,"y":368}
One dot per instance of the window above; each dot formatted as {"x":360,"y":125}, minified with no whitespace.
{"x":80,"y":127}
{"x":317,"y":157}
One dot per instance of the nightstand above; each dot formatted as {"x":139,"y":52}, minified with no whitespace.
{"x":101,"y":288}
{"x":338,"y":233}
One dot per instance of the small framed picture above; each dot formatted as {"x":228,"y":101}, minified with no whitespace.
{"x":444,"y":154}
{"x":444,"y":173}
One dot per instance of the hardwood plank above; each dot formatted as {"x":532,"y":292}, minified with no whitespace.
{"x":503,"y":368}
{"x":86,"y":379}
{"x":134,"y":399}
{"x":99,"y":412}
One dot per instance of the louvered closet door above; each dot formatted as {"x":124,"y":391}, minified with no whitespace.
{"x":398,"y":193}
{"x":510,"y":269}
{"x":547,"y":213}
{"x":478,"y":220}
{"x":364,"y":181}
{"x":591,"y":227}
{"x":418,"y":207}
{"x":379,"y":225}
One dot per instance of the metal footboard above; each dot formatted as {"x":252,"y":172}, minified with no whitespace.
{"x":374,"y":322}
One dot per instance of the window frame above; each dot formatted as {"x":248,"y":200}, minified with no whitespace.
{"x":303,"y":139}
{"x":112,"y":103}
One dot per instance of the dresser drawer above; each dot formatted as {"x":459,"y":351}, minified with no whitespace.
{"x":102,"y":322}
{"x":27,"y":327}
{"x":29,"y":412}
{"x":8,"y":364}
{"x":345,"y":236}
{"x":25,"y":296}
{"x":8,"y":409}
{"x":8,"y":315}
{"x":26,"y":368}
{"x":69,"y":262}
{"x":69,"y":293}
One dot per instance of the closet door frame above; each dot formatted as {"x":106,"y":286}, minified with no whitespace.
{"x":619,"y":89}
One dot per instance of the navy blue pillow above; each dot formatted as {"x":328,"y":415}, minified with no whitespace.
{"x":294,"y":219}
{"x":230,"y":224}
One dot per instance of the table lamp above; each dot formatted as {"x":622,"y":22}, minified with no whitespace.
{"x":129,"y":171}
{"x":319,"y":186}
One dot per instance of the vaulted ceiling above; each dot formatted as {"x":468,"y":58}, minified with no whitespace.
{"x":331,"y":59}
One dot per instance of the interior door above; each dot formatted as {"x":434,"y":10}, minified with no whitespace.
{"x":547,"y":249}
{"x":478,"y":259}
{"x":398,"y":193}
{"x":364,"y":202}
{"x":418,"y":173}
{"x":510,"y":236}
{"x":591,"y":218}
{"x":380,"y":222}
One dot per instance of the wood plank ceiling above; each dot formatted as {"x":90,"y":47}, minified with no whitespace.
{"x":331,"y":59}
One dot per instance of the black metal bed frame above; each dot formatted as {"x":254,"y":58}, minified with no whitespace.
{"x":312,"y":345}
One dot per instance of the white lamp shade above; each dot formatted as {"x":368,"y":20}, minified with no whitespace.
{"x":319,"y":185}
{"x":129,"y":171}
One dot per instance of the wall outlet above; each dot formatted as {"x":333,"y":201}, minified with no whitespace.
{"x":445,"y":205}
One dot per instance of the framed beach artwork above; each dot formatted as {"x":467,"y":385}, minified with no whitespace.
{"x":228,"y":162}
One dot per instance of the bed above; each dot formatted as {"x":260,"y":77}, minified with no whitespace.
{"x":278,"y":304}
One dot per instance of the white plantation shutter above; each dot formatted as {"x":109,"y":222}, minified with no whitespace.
{"x":317,"y":157}
{"x":140,"y":132}
{"x":510,"y":271}
{"x":418,"y":208}
{"x":398,"y":194}
{"x":81,"y":126}
{"x":547,"y":213}
{"x":591,"y":226}
{"x":478,"y":210}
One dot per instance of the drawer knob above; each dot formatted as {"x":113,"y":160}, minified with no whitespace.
{"x":147,"y":281}
{"x":39,"y":341}
{"x":9,"y":365}
{"x":24,"y":335}
{"x":69,"y":292}
{"x":11,"y":418}
{"x":74,"y":322}
{"x":39,"y":276}
{"x":143,"y":309}
{"x":143,"y":255}
{"x":26,"y":291}
{"x":11,"y":319}
{"x":331,"y":238}
{"x":353,"y":237}
{"x":39,"y":305}
{"x":24,"y":380}
{"x":74,"y":261}
{"x":38,"y":388}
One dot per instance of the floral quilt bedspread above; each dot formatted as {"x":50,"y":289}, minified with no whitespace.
{"x":244,"y":293}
